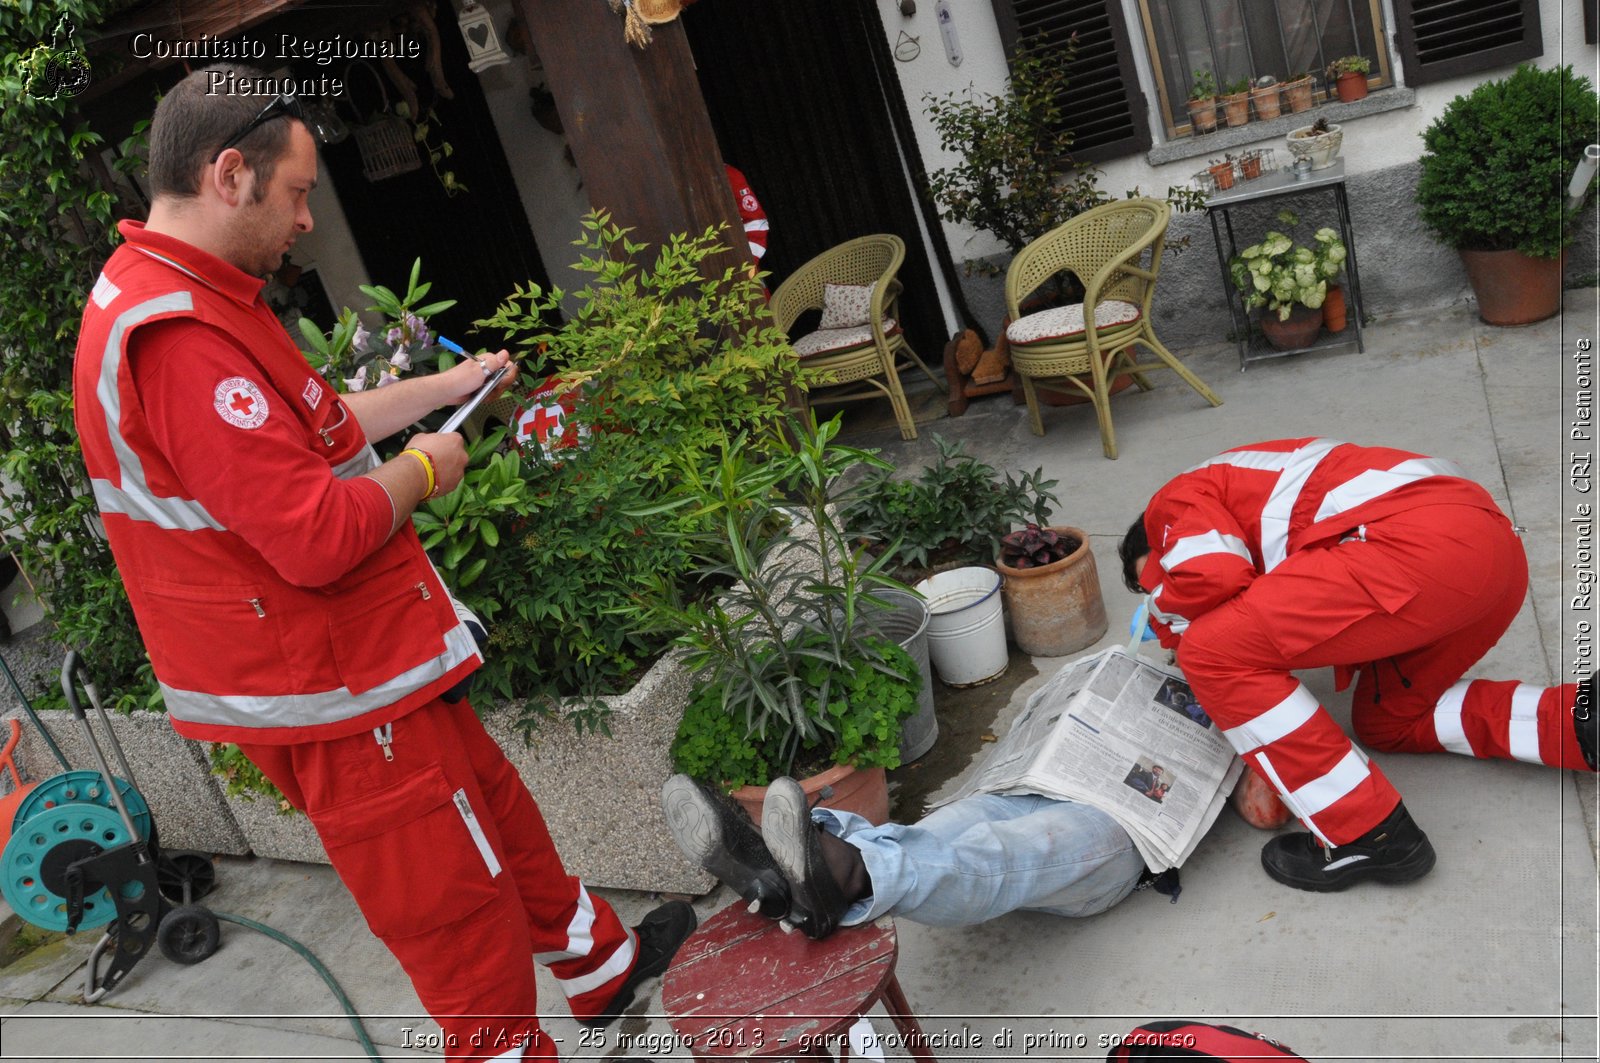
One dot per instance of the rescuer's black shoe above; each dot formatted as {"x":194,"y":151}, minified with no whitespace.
{"x":1394,"y":851}
{"x":660,"y":933}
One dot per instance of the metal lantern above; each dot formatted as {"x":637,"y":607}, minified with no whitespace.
{"x":483,"y":43}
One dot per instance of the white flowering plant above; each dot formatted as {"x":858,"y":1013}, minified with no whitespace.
{"x":354,"y":358}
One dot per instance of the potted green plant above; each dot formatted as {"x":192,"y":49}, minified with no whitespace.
{"x":1221,"y":171}
{"x":1236,"y":102}
{"x":1298,"y":91}
{"x":953,"y":512}
{"x":1349,"y":76}
{"x":792,"y":677}
{"x":1494,"y":186}
{"x":1289,"y":280}
{"x":1203,"y":102}
{"x":1266,"y":96}
{"x":1052,"y":589}
{"x":1320,"y":142}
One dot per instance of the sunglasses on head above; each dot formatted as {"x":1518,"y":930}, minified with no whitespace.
{"x":286,"y":103}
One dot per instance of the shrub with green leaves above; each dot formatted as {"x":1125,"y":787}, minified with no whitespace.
{"x":954,"y":510}
{"x":1498,"y":160}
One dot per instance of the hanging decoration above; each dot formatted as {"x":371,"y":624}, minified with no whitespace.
{"x":639,"y":15}
{"x":483,"y":43}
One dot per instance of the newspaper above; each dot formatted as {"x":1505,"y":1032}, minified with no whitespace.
{"x":1124,"y":734}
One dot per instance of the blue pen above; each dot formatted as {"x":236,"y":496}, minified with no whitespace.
{"x":450,"y":345}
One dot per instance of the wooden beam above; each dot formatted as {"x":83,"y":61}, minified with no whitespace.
{"x":636,"y":123}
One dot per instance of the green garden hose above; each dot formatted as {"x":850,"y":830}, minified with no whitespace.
{"x":316,"y":965}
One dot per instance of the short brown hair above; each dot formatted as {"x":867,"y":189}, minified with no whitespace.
{"x":192,"y":121}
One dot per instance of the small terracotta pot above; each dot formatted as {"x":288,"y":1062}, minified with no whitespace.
{"x":1299,"y":95}
{"x":1512,"y":288}
{"x":1351,"y":86}
{"x":1237,"y":108}
{"x":1333,"y":310}
{"x":1302,"y":327}
{"x":1056,"y":609}
{"x":1203,"y":114}
{"x":866,"y":793}
{"x":1222,"y":173}
{"x":1250,"y":167}
{"x":1267,"y":101}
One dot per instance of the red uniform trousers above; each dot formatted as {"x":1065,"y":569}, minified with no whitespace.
{"x":465,"y":897}
{"x":1318,"y":609}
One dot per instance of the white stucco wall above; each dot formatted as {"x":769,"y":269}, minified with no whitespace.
{"x":1373,"y":143}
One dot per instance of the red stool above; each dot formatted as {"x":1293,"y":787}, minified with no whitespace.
{"x":740,"y":986}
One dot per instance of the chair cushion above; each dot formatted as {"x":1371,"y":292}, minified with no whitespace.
{"x":830,"y":340}
{"x":1064,"y":322}
{"x":845,"y":305}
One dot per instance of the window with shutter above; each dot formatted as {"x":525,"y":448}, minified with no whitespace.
{"x":1102,"y":104}
{"x":1446,"y":38}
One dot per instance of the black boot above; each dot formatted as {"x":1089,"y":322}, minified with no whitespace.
{"x":1586,"y":721}
{"x":824,"y":873}
{"x":660,"y":933}
{"x":715,"y":833}
{"x":1394,"y":851}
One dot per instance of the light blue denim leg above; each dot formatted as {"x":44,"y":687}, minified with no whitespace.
{"x":987,"y":855}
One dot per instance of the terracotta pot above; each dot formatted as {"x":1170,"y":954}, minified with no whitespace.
{"x":1056,"y":609}
{"x":1299,"y":95}
{"x":1250,"y":167}
{"x":1512,"y":288}
{"x":1268,"y":102}
{"x":866,"y":793}
{"x":1302,"y":327}
{"x":1222,"y":173}
{"x":1237,"y":108}
{"x":1333,"y":311}
{"x":1203,"y":114}
{"x":1351,"y":86}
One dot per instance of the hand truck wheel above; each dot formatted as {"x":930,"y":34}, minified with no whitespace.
{"x":188,"y":934}
{"x":184,"y":876}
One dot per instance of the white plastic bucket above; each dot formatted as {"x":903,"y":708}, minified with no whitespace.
{"x":966,"y":628}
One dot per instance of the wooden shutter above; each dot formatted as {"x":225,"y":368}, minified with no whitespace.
{"x":1445,"y":38}
{"x":1103,"y":105}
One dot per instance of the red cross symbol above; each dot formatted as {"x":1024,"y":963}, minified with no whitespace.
{"x":242,"y":403}
{"x":544,"y":420}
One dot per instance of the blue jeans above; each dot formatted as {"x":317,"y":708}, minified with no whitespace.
{"x":987,"y":855}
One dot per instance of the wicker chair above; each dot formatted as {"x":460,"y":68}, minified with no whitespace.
{"x":1052,"y":350}
{"x":855,"y":361}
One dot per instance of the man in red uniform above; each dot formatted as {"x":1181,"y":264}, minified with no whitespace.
{"x":1308,"y":553}
{"x":284,"y":597}
{"x":750,"y":213}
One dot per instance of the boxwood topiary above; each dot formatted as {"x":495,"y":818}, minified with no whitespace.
{"x":1495,"y":173}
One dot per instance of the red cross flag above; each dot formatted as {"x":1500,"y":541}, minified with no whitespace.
{"x":548,"y":421}
{"x":240,"y":402}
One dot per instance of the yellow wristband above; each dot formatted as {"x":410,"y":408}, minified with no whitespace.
{"x":426,"y":461}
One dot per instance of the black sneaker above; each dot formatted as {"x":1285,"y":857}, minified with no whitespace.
{"x":1394,"y":851}
{"x":816,"y":901}
{"x":715,"y":833}
{"x":660,"y":933}
{"x":1586,"y":721}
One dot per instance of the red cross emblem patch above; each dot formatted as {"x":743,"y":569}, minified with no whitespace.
{"x":239,"y":402}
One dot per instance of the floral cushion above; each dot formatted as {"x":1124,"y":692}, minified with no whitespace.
{"x":1064,"y":322}
{"x":830,"y":340}
{"x":845,"y":305}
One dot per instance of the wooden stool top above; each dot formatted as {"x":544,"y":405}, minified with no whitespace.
{"x":740,"y":986}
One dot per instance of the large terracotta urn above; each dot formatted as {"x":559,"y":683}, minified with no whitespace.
{"x":1056,"y":609}
{"x":1514,"y":288}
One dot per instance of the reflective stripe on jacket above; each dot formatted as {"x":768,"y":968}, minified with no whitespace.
{"x":242,"y":650}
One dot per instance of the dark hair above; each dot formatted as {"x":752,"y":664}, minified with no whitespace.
{"x":198,"y":114}
{"x":1134,"y":545}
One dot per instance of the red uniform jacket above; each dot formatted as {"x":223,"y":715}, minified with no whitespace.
{"x":273,"y":602}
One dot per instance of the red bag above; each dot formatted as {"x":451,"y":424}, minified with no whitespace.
{"x":1186,"y":1039}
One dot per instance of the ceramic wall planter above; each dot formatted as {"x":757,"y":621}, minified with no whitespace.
{"x":1512,"y":288}
{"x":1298,"y":331}
{"x":1237,"y":108}
{"x":1056,"y":609}
{"x":1267,"y":101}
{"x":864,"y":792}
{"x":1321,"y":148}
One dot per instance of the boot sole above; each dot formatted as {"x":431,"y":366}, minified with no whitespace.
{"x":1395,"y":874}
{"x":697,"y":828}
{"x":785,"y":819}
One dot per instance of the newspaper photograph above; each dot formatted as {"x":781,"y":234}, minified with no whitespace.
{"x":1126,"y":735}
